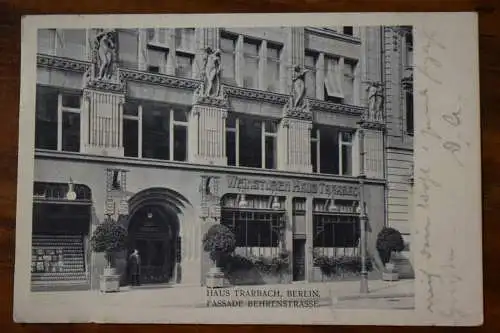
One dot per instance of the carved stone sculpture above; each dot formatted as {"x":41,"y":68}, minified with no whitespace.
{"x":298,"y":87}
{"x":105,"y":47}
{"x":375,"y":101}
{"x":212,"y":67}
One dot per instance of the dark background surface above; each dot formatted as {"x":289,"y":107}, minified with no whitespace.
{"x":10,"y":38}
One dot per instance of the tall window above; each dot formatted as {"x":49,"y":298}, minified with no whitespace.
{"x":348,"y":80}
{"x":270,"y":129}
{"x":131,"y":129}
{"x":232,"y":145}
{"x":331,"y":150}
{"x":57,"y":120}
{"x":155,"y":131}
{"x":315,"y":149}
{"x":161,"y":131}
{"x":251,"y":142}
{"x":46,"y":118}
{"x":251,"y":63}
{"x":345,"y":153}
{"x":228,"y":50}
{"x":185,"y":46}
{"x":273,"y":67}
{"x":310,"y":64}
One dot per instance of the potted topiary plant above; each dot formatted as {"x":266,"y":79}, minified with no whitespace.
{"x":109,"y":237}
{"x":219,"y":242}
{"x":389,"y":240}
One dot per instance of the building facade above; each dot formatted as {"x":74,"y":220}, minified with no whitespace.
{"x":281,"y":134}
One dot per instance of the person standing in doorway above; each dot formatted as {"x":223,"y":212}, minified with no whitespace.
{"x":135,"y":268}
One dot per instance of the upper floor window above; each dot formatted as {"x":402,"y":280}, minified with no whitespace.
{"x":273,"y":67}
{"x":154,"y":130}
{"x":184,"y":56}
{"x":251,"y":49}
{"x":69,"y":43}
{"x":57,"y":119}
{"x":157,"y":36}
{"x":310,"y":64}
{"x":251,"y":141}
{"x":331,"y":150}
{"x":129,"y":48}
{"x":185,"y":39}
{"x":349,"y":69}
{"x":156,"y":60}
{"x":228,"y":50}
{"x":184,"y":64}
{"x":348,"y":30}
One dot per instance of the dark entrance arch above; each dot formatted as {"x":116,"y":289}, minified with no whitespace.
{"x":153,"y":230}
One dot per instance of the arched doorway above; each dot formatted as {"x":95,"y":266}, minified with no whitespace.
{"x":153,"y":231}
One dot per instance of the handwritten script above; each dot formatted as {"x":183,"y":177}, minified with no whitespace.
{"x":443,"y":130}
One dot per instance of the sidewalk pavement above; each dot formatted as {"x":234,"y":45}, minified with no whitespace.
{"x":338,"y":293}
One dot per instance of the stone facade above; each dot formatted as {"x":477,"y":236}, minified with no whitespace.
{"x":156,"y":86}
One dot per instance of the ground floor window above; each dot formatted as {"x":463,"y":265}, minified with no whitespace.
{"x":336,"y":238}
{"x":256,"y":224}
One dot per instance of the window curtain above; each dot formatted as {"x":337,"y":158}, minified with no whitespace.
{"x":333,"y":82}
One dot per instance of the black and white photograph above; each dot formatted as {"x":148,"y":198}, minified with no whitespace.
{"x":221,"y":168}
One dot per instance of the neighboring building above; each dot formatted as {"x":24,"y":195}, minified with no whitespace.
{"x":398,"y":78}
{"x":148,"y":142}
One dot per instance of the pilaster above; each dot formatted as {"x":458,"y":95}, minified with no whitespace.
{"x":294,"y":145}
{"x":207,"y":142}
{"x":103,"y":98}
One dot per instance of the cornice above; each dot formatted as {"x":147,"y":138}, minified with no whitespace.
{"x":126,"y":75}
{"x":159,"y":79}
{"x":318,"y":105}
{"x":50,"y":61}
{"x":258,"y":95}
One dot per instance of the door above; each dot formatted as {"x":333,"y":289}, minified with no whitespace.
{"x":299,"y":259}
{"x":154,"y":251}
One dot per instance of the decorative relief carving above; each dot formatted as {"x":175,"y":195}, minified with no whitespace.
{"x":220,"y":101}
{"x":116,"y":193}
{"x":319,"y":105}
{"x":210,"y":197}
{"x":372,"y":125}
{"x":258,"y":95}
{"x":375,"y":103}
{"x":50,"y":61}
{"x":183,"y":83}
{"x":159,"y":79}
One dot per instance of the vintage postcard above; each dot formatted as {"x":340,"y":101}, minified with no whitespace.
{"x":254,"y":169}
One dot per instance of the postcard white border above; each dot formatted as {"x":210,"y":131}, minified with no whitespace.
{"x":448,"y":255}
